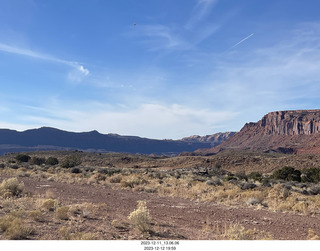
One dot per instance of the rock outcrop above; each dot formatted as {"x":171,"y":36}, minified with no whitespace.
{"x":214,"y":139}
{"x":282,"y":131}
{"x":303,"y":122}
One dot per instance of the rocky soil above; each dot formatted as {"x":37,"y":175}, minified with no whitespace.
{"x":173,"y":218}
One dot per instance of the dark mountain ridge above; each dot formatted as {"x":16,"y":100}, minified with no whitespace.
{"x":47,"y":138}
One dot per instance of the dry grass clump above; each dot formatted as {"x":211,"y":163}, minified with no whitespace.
{"x":238,"y":232}
{"x":85,"y":210}
{"x":66,"y":234}
{"x":132,"y":180}
{"x":312,"y":235}
{"x":50,"y":204}
{"x":280,"y":198}
{"x":115,"y":178}
{"x":14,"y":228}
{"x":140,"y":217}
{"x":36,"y":215}
{"x":62,"y":213}
{"x":11,"y":187}
{"x":121,"y":225}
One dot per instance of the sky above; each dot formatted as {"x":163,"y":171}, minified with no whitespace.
{"x":158,"y":69}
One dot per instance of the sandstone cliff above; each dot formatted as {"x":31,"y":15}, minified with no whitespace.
{"x":214,"y":139}
{"x":285,"y":131}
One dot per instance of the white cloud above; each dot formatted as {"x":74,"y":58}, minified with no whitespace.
{"x":76,"y":74}
{"x":147,"y":120}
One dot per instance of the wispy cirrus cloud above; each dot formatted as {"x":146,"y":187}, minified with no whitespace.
{"x":158,"y":37}
{"x":169,"y":37}
{"x":77,"y":74}
{"x":278,"y":77}
{"x":200,"y":11}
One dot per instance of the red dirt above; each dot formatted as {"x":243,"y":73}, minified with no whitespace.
{"x":183,"y":218}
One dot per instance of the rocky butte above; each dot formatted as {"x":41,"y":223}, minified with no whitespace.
{"x":281,"y":131}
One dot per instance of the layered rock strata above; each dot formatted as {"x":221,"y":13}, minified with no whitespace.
{"x":285,"y":131}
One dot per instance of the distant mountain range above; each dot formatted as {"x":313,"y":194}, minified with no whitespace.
{"x":47,"y":138}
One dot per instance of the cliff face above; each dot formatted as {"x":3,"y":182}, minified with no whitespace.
{"x":291,"y":131}
{"x":291,"y":122}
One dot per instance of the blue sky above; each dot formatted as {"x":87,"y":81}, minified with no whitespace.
{"x":187,"y":67}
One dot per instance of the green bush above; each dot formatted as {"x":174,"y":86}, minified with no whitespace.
{"x":52,"y":161}
{"x":311,"y":175}
{"x":75,"y":170}
{"x":255,"y":176}
{"x":38,"y":161}
{"x":23,"y":158}
{"x":71,"y":161}
{"x":241,"y":175}
{"x":287,"y":173}
{"x":109,"y":171}
{"x":229,"y":177}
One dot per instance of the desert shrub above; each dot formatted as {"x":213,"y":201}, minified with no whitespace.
{"x":214,"y":181}
{"x":253,"y":201}
{"x":157,"y":175}
{"x":247,"y":186}
{"x":52,"y":161}
{"x":75,"y":170}
{"x":132,"y":181}
{"x":238,"y":232}
{"x":116,"y":178}
{"x":13,"y":166}
{"x":66,"y":234}
{"x":14,"y":228}
{"x":109,"y":171}
{"x":62,"y":213}
{"x":311,"y":175}
{"x":255,"y":176}
{"x":278,"y":192}
{"x":312,"y":235}
{"x":50,"y":204}
{"x":2,"y":166}
{"x":89,"y":169}
{"x":141,"y":217}
{"x":287,"y":173}
{"x":36,"y":215}
{"x":11,"y":187}
{"x":241,"y":175}
{"x":121,"y":225}
{"x":99,"y":177}
{"x":38,"y":161}
{"x":71,"y":161}
{"x":314,"y":190}
{"x":229,"y":178}
{"x":22,"y":158}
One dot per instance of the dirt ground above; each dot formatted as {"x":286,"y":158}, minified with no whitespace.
{"x":173,"y":218}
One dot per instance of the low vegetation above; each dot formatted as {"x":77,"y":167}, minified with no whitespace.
{"x":140,"y":217}
{"x":203,"y":179}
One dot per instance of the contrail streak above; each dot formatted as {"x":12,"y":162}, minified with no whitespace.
{"x":242,"y":40}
